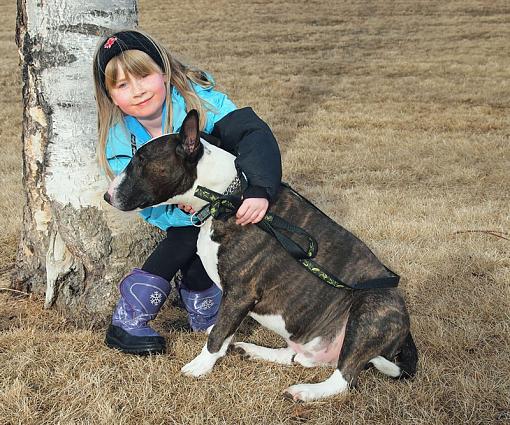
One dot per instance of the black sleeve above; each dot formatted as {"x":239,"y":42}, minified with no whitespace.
{"x":245,"y":135}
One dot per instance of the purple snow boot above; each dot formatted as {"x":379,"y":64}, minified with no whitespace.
{"x":141,"y":296}
{"x":202,"y":306}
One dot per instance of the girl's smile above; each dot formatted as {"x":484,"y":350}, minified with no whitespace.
{"x":144,"y":102}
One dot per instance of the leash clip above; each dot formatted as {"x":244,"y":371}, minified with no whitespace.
{"x":200,"y":222}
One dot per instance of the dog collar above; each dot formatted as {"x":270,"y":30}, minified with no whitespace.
{"x":229,"y":199}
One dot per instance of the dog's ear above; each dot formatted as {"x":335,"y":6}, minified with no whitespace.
{"x":190,"y":134}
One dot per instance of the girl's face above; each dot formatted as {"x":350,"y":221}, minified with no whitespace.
{"x":141,"y":97}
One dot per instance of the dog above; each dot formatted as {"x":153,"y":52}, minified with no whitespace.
{"x":322,"y":324}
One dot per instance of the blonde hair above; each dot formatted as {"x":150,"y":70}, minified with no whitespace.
{"x":138,"y":64}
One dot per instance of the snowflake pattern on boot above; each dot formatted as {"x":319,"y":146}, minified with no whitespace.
{"x":155,"y":298}
{"x":207,"y":304}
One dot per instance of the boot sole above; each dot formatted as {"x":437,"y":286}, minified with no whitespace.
{"x":142,"y":351}
{"x":145,"y":349}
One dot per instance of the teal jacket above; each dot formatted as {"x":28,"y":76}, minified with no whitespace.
{"x":119,"y":150}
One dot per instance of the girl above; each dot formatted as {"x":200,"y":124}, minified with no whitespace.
{"x":143,"y":92}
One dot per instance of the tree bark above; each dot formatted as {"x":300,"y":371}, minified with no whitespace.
{"x":74,"y":247}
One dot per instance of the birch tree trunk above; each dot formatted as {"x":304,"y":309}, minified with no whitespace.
{"x":74,"y":247}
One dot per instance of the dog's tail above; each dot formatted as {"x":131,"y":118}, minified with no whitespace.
{"x":407,"y":358}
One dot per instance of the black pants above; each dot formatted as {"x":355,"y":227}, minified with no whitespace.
{"x":179,"y":251}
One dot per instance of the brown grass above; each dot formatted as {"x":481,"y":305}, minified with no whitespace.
{"x":394,"y":117}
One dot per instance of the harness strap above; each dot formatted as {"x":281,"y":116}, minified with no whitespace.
{"x":133,"y":144}
{"x":224,"y":206}
{"x":271,"y":223}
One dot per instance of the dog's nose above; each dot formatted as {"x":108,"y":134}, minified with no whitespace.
{"x":107,"y":197}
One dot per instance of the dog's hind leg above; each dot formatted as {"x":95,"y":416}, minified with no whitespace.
{"x":386,"y":366}
{"x":230,"y":316}
{"x":405,"y":361}
{"x":407,"y":358}
{"x":375,"y":331}
{"x":376,"y":335}
{"x":256,"y":352}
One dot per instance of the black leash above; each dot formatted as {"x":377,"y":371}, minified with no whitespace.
{"x":224,"y":206}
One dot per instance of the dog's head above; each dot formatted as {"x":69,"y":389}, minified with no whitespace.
{"x":159,"y":170}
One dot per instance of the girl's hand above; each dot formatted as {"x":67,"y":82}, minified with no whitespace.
{"x":186,"y":208}
{"x":252,"y":210}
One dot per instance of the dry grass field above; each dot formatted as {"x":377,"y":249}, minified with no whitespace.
{"x":394,"y":117}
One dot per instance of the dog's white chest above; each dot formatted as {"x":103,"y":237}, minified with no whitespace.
{"x":207,"y":250}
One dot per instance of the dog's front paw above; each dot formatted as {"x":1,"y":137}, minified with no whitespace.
{"x":335,"y":384}
{"x":244,"y":349}
{"x":199,"y":366}
{"x":300,"y":393}
{"x":256,"y":352}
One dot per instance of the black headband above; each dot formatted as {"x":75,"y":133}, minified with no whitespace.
{"x":118,"y":43}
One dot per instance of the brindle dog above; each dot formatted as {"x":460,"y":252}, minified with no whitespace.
{"x":322,"y":325}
